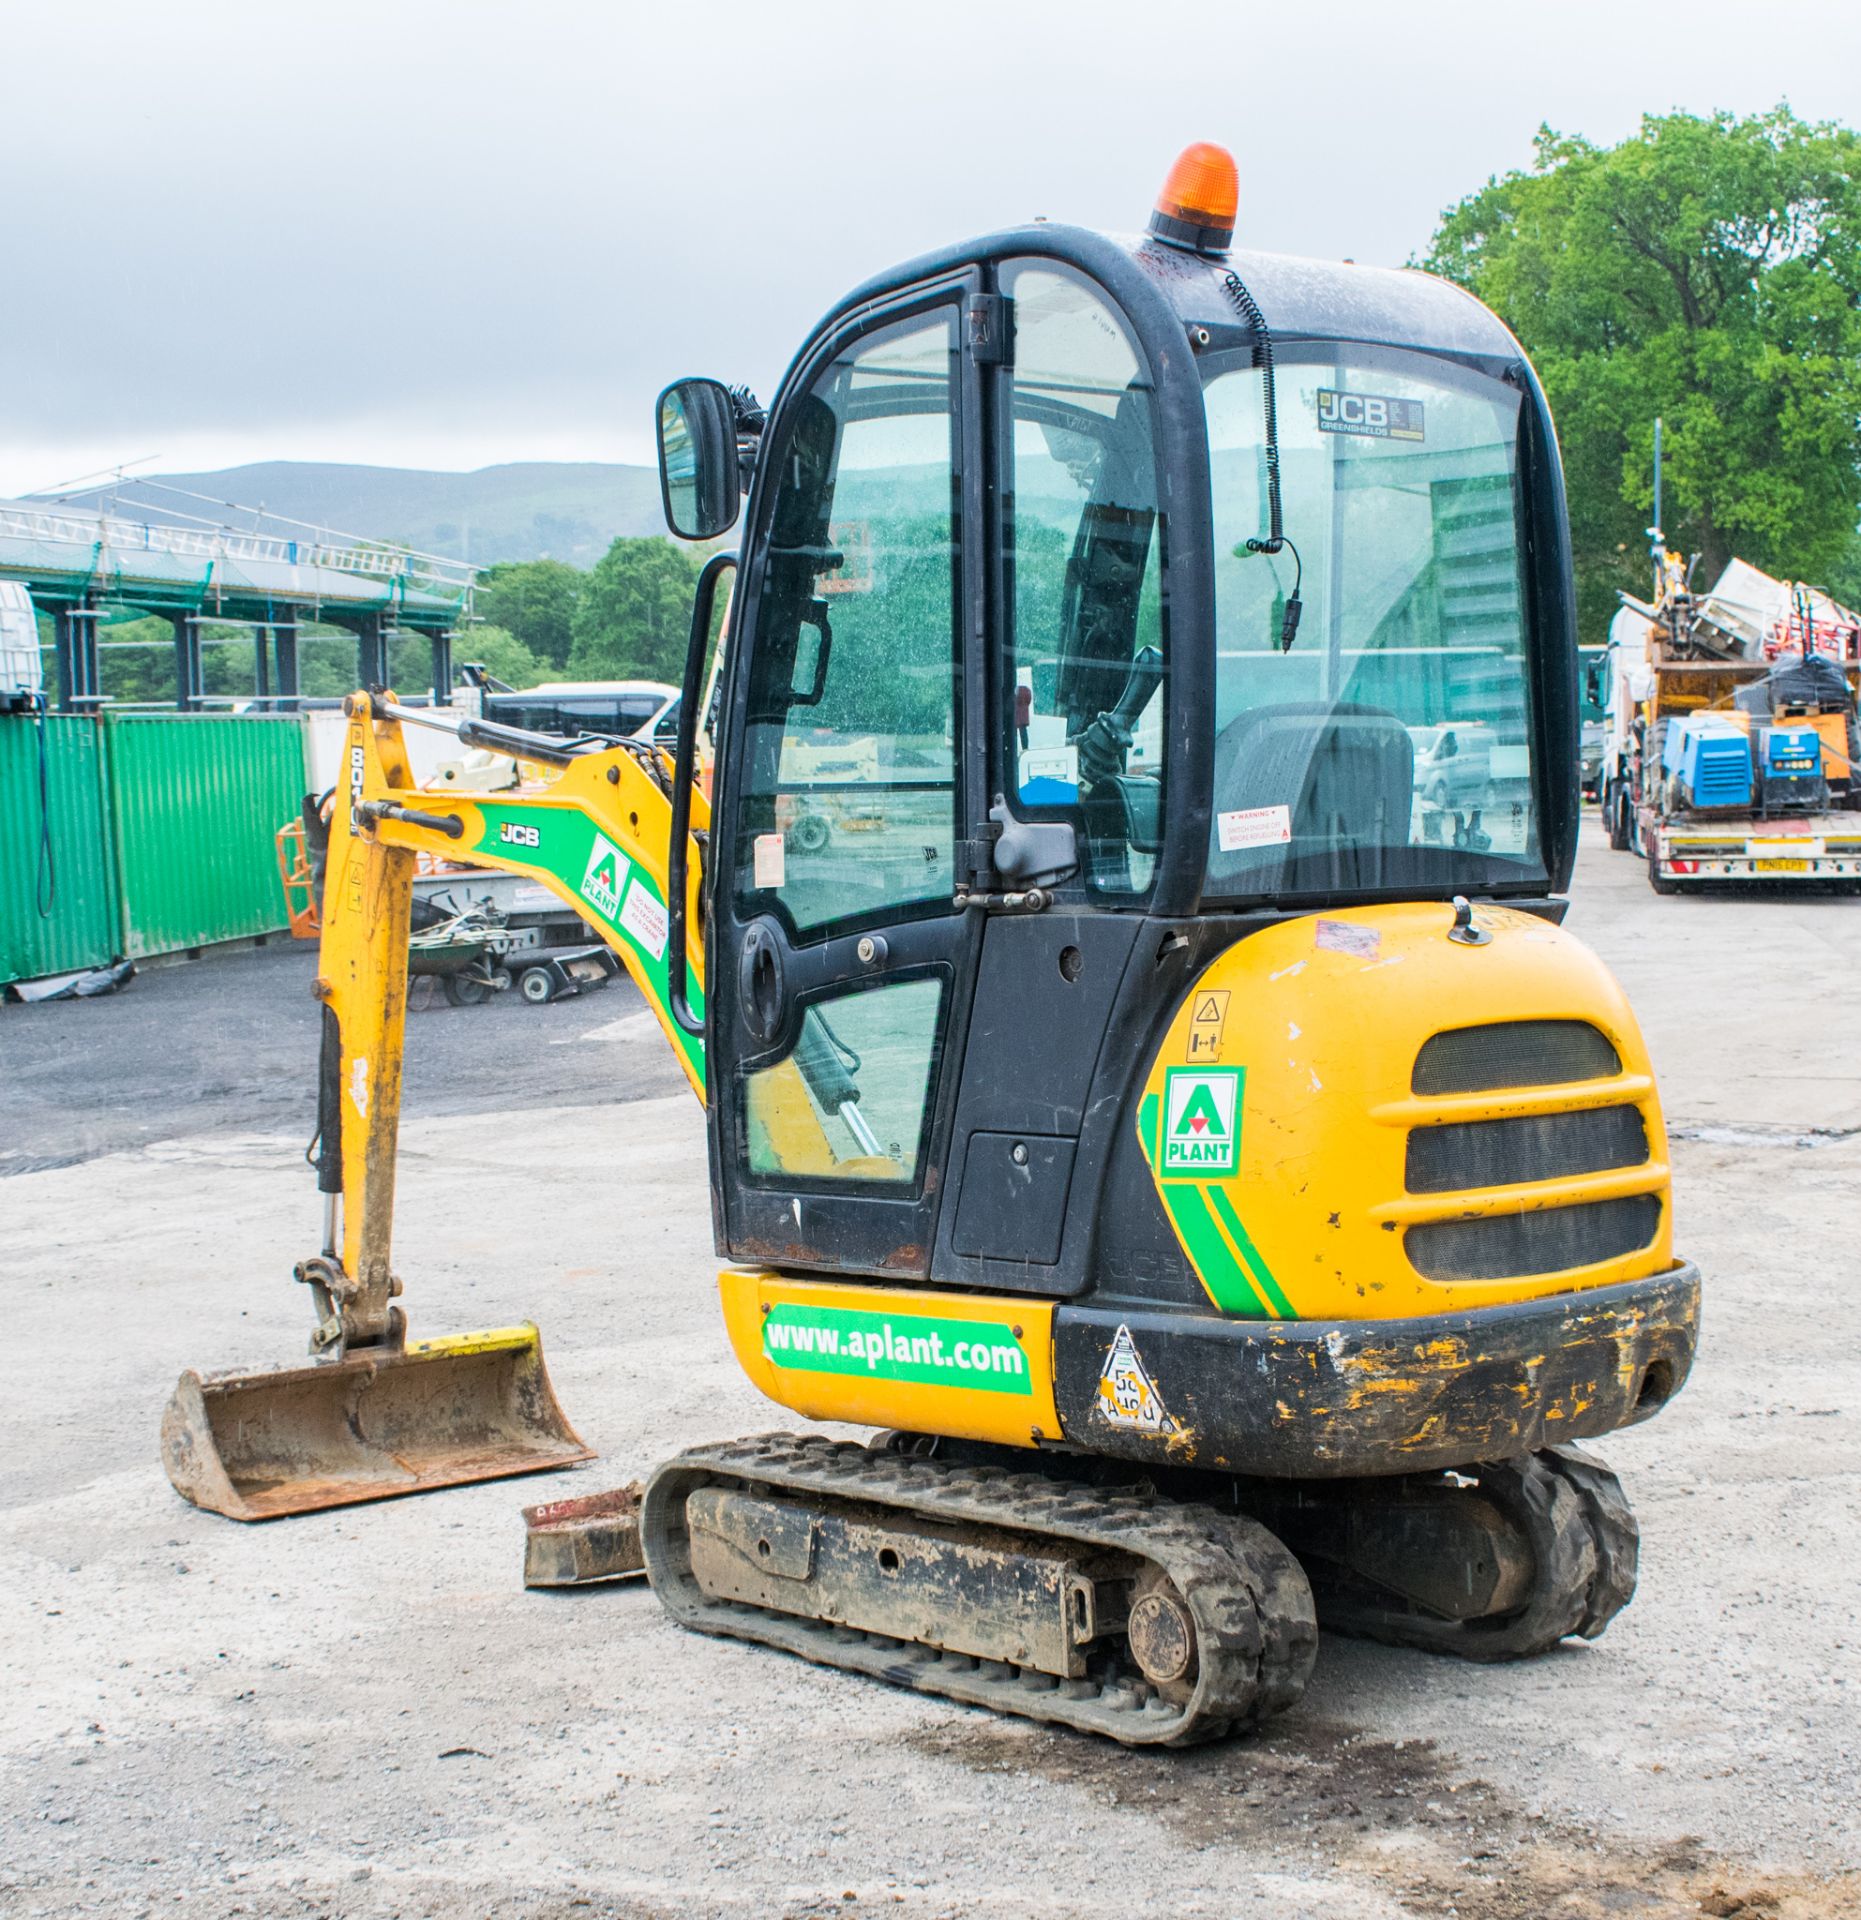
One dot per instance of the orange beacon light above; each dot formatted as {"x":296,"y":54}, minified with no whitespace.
{"x":1197,"y":206}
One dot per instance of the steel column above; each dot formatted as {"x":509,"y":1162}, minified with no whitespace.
{"x":80,"y":678}
{"x":442,"y":668}
{"x":371,"y":651}
{"x":284,"y":648}
{"x":189,"y":687}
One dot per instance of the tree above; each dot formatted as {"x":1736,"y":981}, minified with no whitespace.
{"x":501,"y":654}
{"x":634,"y":617}
{"x":1707,"y":270}
{"x":535,"y":600}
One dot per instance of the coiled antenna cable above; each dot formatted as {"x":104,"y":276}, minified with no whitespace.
{"x":1248,"y":308}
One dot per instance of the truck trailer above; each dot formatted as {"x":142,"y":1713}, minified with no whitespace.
{"x":1731,"y":739}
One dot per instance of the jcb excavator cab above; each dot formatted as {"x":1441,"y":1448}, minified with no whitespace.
{"x":1177,"y":1090}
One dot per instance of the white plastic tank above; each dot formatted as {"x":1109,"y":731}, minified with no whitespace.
{"x":22,"y":670}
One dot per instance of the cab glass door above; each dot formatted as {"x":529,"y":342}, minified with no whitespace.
{"x":844,"y":965}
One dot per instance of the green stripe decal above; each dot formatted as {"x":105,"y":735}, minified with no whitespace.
{"x":1262,"y":1273}
{"x":1248,"y":1291}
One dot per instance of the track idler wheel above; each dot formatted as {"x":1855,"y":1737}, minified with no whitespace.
{"x":1500,"y":1563}
{"x":1161,"y":1635}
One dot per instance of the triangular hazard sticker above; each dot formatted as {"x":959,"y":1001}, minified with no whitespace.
{"x":1128,"y":1397}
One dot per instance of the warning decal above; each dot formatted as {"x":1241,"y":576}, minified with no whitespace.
{"x":1128,"y":1397}
{"x":1253,"y":827}
{"x":1206,"y":1020}
{"x":645,"y":919}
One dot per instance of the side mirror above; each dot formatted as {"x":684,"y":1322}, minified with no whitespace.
{"x":700,"y":481}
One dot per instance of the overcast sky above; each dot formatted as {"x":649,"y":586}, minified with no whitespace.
{"x":419,"y":233}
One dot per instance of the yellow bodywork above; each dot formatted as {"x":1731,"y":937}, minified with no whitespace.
{"x":971,"y":1365}
{"x":1313,"y":1027}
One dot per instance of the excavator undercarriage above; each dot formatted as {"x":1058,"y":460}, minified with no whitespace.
{"x":1163,"y":1609}
{"x":1116,"y":1610}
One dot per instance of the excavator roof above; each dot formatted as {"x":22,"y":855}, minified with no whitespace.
{"x":1329,"y":299}
{"x":1301,"y":298}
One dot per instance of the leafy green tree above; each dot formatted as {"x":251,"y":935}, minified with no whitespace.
{"x":535,"y":600}
{"x":501,"y":654}
{"x":634,"y":617}
{"x":135,"y":659}
{"x":1707,"y":270}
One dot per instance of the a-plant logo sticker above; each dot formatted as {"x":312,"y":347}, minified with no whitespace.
{"x":606,"y":875}
{"x":1201,"y":1120}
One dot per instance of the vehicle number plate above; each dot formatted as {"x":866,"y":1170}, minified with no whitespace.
{"x":1781,"y":866}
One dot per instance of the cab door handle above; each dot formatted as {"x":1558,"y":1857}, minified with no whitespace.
{"x":761,"y":982}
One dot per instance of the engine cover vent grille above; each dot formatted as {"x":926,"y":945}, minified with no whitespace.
{"x":1504,"y":1153}
{"x":1514,"y":1053}
{"x":1509,"y":1246}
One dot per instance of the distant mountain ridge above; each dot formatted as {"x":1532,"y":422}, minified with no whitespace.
{"x":568,"y":510}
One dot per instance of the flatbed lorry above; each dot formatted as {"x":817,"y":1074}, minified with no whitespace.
{"x":1731,"y":733}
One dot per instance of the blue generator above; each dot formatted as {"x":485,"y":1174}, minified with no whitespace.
{"x":1792,"y":769}
{"x":1710,"y":760}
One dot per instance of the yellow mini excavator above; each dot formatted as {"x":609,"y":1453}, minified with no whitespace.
{"x":1146,"y":1075}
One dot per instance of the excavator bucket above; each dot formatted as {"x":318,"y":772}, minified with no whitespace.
{"x":477,"y":1406}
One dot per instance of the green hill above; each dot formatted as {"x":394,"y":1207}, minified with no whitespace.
{"x":522,"y":511}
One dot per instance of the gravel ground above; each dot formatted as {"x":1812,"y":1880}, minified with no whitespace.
{"x":364,"y":1714}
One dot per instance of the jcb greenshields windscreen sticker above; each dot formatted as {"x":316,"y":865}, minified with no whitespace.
{"x":896,"y":1346}
{"x":1374,"y":416}
{"x":1201,"y":1121}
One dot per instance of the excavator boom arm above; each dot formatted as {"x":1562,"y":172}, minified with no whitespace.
{"x":380,"y":1414}
{"x":598,"y":837}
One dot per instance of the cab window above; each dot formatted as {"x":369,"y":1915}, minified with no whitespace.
{"x":849,"y":801}
{"x":1083,"y":546}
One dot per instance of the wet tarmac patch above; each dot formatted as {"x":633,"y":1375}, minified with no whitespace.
{"x":1400,"y":1813}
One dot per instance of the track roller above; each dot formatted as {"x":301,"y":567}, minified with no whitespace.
{"x":1112,"y":1610}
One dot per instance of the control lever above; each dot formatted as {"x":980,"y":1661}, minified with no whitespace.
{"x":1103,"y":745}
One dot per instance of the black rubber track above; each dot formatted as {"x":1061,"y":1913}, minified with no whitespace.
{"x":1583,"y":1539}
{"x":1256,"y":1631}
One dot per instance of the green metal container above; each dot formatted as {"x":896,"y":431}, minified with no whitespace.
{"x":56,"y":854}
{"x":197,"y":801}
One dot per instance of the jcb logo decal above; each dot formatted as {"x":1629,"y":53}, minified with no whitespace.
{"x":514,"y":835}
{"x":1201,"y":1120}
{"x":1376,"y":416}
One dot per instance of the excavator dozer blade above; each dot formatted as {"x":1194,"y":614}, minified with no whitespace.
{"x":475,"y":1406}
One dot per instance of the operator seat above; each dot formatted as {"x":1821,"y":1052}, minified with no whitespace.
{"x":1345,"y":772}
